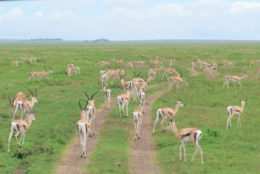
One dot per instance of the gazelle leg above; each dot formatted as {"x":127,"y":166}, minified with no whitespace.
{"x":239,"y":84}
{"x":184,"y":151}
{"x":195,"y":152}
{"x":239,"y":121}
{"x":180,"y":151}
{"x":155,"y":123}
{"x":9,"y":139}
{"x":126,"y":109}
{"x":163,"y":122}
{"x":119,"y":107}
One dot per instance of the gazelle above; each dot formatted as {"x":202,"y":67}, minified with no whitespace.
{"x":39,"y":75}
{"x":166,"y":112}
{"x":138,"y":64}
{"x":91,"y":111}
{"x":71,"y":69}
{"x":235,"y":111}
{"x":141,"y":97}
{"x":21,"y":103}
{"x":234,"y":79}
{"x":228,"y":64}
{"x":138,"y":115}
{"x":123,"y":100}
{"x":186,"y":135}
{"x":255,"y":62}
{"x":104,"y":63}
{"x":20,"y":127}
{"x":170,"y":72}
{"x":107,"y":93}
{"x":84,"y":129}
{"x":178,"y":81}
{"x":202,"y":64}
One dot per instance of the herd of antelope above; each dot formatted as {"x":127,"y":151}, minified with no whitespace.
{"x":134,"y":89}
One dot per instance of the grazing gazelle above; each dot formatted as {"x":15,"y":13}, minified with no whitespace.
{"x":91,"y":111}
{"x":138,"y":117}
{"x":235,"y":110}
{"x":166,"y":112}
{"x":19,"y":127}
{"x":186,"y":135}
{"x":234,"y":79}
{"x":123,"y":101}
{"x":84,"y":129}
{"x":107,"y":93}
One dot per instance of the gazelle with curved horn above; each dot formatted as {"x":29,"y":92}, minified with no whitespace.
{"x":107,"y":93}
{"x":20,"y":127}
{"x":235,"y":111}
{"x":123,"y":100}
{"x":91,"y":111}
{"x":166,"y":112}
{"x":84,"y":129}
{"x":186,"y":135}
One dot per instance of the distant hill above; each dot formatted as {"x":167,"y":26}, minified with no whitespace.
{"x":101,"y":41}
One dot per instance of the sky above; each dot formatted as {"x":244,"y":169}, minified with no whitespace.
{"x":130,"y":19}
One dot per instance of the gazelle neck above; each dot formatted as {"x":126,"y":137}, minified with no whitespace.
{"x":243,"y":105}
{"x":174,"y":129}
{"x":29,"y":121}
{"x":83,"y":115}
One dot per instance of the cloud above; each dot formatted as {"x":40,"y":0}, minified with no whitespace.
{"x":57,"y":15}
{"x":12,"y":14}
{"x":39,"y":14}
{"x":240,"y":6}
{"x":122,"y":3}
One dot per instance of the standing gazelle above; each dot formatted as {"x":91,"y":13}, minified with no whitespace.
{"x":123,"y":101}
{"x":234,"y":79}
{"x":235,"y":110}
{"x":91,"y":111}
{"x":19,"y":127}
{"x":138,"y":115}
{"x":84,"y":129}
{"x":166,"y":112}
{"x":186,"y":135}
{"x":107,"y":93}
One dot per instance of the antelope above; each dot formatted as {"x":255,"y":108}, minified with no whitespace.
{"x":138,"y":115}
{"x":186,"y":135}
{"x":156,"y":63}
{"x":202,"y":64}
{"x":228,"y":64}
{"x":126,"y":85}
{"x":178,"y":80}
{"x":258,"y":72}
{"x":31,"y":60}
{"x":91,"y":111}
{"x":103,"y":77}
{"x":166,"y":112}
{"x":123,"y":101}
{"x":71,"y":69}
{"x":21,"y":103}
{"x":107,"y":93}
{"x":104,"y":63}
{"x":38,"y":75}
{"x":141,"y":97}
{"x":20,"y":127}
{"x":235,"y":111}
{"x":234,"y":79}
{"x":170,"y":71}
{"x":84,"y":129}
{"x":255,"y":62}
{"x":138,"y":64}
{"x":15,"y":63}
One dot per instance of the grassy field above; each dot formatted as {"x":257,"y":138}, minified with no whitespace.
{"x":226,"y":151}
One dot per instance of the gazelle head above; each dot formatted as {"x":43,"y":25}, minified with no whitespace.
{"x":90,"y":99}
{"x":243,"y":102}
{"x":83,"y":109}
{"x":34,"y":95}
{"x":179,"y":104}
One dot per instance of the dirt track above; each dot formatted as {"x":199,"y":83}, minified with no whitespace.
{"x":142,"y":159}
{"x":71,"y":163}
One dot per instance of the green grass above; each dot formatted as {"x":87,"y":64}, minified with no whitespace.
{"x":232,"y":151}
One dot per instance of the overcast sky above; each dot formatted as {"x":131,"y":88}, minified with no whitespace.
{"x":130,"y":19}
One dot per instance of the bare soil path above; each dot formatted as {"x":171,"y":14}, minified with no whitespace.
{"x":142,"y":160}
{"x":71,"y":163}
